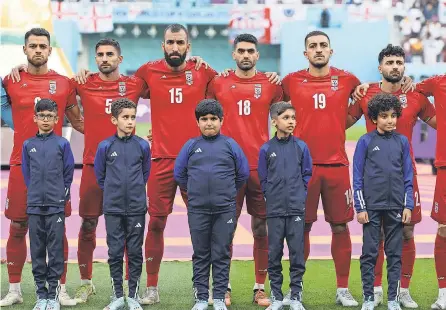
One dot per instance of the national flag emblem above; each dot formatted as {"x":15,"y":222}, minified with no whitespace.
{"x":52,"y":89}
{"x":334,"y":83}
{"x":122,"y":89}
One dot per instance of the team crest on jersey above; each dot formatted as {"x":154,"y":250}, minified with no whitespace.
{"x":189,"y":78}
{"x":403,"y":100}
{"x":122,"y":89}
{"x":334,"y":83}
{"x":257,"y":90}
{"x":52,"y":89}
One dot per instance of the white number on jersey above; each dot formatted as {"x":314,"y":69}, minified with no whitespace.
{"x":319,"y":101}
{"x":244,"y":107}
{"x":108,"y":103}
{"x":417,"y":199}
{"x":348,"y":196}
{"x":176,"y":95}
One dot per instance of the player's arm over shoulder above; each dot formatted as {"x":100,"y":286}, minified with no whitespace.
{"x":429,"y":85}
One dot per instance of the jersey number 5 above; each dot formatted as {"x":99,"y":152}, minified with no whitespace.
{"x":319,"y":101}
{"x":244,"y":107}
{"x":108,"y":103}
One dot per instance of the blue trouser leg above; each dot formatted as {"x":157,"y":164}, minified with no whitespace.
{"x":134,"y":240}
{"x":115,"y":227}
{"x":295,"y":240}
{"x":276,"y":236}
{"x":393,"y":246}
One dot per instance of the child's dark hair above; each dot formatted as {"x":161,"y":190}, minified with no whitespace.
{"x":45,"y":105}
{"x":209,"y":106}
{"x":382,"y":103}
{"x":280,"y":107}
{"x":120,"y":104}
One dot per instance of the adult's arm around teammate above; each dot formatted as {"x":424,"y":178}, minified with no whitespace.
{"x":6,"y":111}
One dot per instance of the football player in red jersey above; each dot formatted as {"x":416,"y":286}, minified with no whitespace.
{"x":246,"y":96}
{"x":415,"y":105}
{"x":321,"y":95}
{"x":38,"y":82}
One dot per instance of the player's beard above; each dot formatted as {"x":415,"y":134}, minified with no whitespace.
{"x":107,"y":70}
{"x":246,"y":66}
{"x":37,"y":62}
{"x":175,"y":62}
{"x":319,"y":65}
{"x":392,"y":79}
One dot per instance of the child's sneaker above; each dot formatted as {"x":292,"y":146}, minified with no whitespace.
{"x":200,"y":305}
{"x":275,"y":305}
{"x":378,"y":295}
{"x":368,"y":305}
{"x":219,"y":304}
{"x":133,"y":304}
{"x":116,"y":304}
{"x":296,"y":305}
{"x":40,"y":304}
{"x":287,"y":299}
{"x":393,"y":305}
{"x":53,"y":304}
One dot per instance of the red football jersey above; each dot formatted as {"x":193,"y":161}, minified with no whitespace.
{"x":96,"y":98}
{"x":25,"y":94}
{"x":246,"y":105}
{"x":321,"y":112}
{"x":173,"y":98}
{"x":436,"y":86}
{"x":414,"y":105}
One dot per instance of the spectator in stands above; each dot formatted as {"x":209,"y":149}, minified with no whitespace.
{"x":432,"y":48}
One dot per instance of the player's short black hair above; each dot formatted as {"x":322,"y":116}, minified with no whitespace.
{"x":174,"y":28}
{"x":383,"y":102}
{"x":245,"y":37}
{"x":109,"y":41}
{"x":316,"y":33}
{"x":391,"y":50}
{"x":120,"y":104}
{"x":45,"y":105}
{"x":209,"y":106}
{"x":279,"y":108}
{"x":38,"y":32}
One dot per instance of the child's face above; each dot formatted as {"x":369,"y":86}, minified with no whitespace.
{"x":209,"y":125}
{"x":285,"y":122}
{"x":45,"y":120}
{"x":386,"y":121}
{"x":125,"y":122}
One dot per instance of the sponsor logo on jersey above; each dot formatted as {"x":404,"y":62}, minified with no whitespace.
{"x":403,"y":100}
{"x":334,"y":83}
{"x":122,"y":89}
{"x":52,"y":89}
{"x":257,"y":90}
{"x":189,"y":78}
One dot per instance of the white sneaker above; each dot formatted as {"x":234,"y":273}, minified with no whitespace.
{"x":287,"y":299}
{"x":378,"y":294}
{"x":296,"y":305}
{"x":150,"y":296}
{"x":13,"y":297}
{"x":368,"y":305}
{"x":200,"y":305}
{"x":345,"y":298}
{"x":393,"y":305}
{"x":406,"y":300}
{"x":275,"y":305}
{"x":65,"y":299}
{"x":441,"y":301}
{"x":116,"y":304}
{"x":133,"y":304}
{"x":52,"y":305}
{"x":40,"y":304}
{"x":219,"y":304}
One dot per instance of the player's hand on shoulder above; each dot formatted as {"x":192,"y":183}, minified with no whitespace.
{"x":360,"y":91}
{"x":14,"y":75}
{"x":225,"y":72}
{"x":273,"y":78}
{"x":362,"y":217}
{"x":82,"y":75}
{"x":407,"y":84}
{"x":148,"y":138}
{"x":199,"y":62}
{"x":407,"y":216}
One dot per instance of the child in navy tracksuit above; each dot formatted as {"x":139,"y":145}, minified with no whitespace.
{"x":122,"y":167}
{"x":47,"y":166}
{"x":212,"y":168}
{"x":382,"y":184}
{"x":285,"y":168}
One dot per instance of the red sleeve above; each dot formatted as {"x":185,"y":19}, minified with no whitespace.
{"x":427,"y":86}
{"x":210,"y":90}
{"x":354,"y":82}
{"x":211,"y":73}
{"x":427,"y":109}
{"x":278,"y":94}
{"x":145,"y":91}
{"x":354,"y":109}
{"x":71,"y":101}
{"x":141,"y":72}
{"x":286,"y":88}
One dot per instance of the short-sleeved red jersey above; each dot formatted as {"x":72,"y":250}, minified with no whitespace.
{"x":246,"y":105}
{"x":414,"y":105}
{"x":173,"y":98}
{"x":25,"y":94}
{"x":436,"y":86}
{"x":96,"y":97}
{"x":321,"y":112}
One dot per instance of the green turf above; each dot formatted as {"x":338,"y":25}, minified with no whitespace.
{"x":176,"y":293}
{"x":355,"y":132}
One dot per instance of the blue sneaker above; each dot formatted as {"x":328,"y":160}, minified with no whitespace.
{"x":116,"y":304}
{"x":219,"y":304}
{"x":53,"y":304}
{"x":393,"y":305}
{"x":133,"y":304}
{"x":40,"y":304}
{"x":200,"y":305}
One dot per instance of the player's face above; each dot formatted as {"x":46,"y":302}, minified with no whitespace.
{"x":45,"y":121}
{"x":175,"y":47}
{"x":37,"y":50}
{"x":125,"y":122}
{"x":386,"y":121}
{"x":285,"y":122}
{"x":245,"y":55}
{"x":392,"y":68}
{"x":318,"y":51}
{"x":107,"y":58}
{"x":209,"y":125}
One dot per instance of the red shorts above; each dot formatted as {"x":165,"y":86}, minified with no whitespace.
{"x":439,"y":206}
{"x":333,"y":184}
{"x":15,"y":207}
{"x":90,"y":194}
{"x":162,"y":187}
{"x":416,"y":213}
{"x":255,"y":202}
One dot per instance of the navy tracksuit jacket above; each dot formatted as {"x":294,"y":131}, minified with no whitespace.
{"x":122,"y":168}
{"x":211,"y":170}
{"x":285,"y":168}
{"x":48,"y":167}
{"x":383,"y":187}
